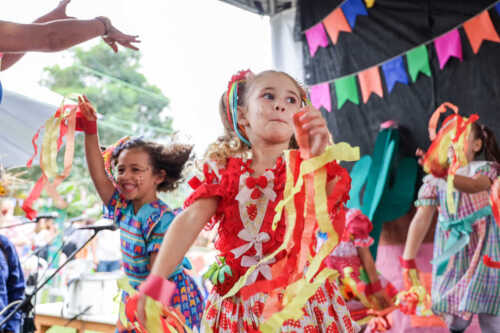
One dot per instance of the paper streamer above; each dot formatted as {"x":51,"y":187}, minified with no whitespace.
{"x":447,"y":46}
{"x":316,"y":37}
{"x":480,"y":28}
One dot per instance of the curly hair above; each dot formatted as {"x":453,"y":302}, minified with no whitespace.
{"x":170,"y":158}
{"x":229,"y":144}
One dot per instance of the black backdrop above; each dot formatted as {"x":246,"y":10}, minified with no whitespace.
{"x":392,"y":27}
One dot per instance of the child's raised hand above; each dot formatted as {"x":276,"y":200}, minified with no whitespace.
{"x":86,"y":117}
{"x":311,"y":131}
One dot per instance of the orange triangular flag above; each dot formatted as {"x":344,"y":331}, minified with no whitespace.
{"x":369,"y":81}
{"x":480,"y":28}
{"x":336,"y":22}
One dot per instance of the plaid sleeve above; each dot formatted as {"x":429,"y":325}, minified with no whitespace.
{"x":490,"y":170}
{"x":156,"y":228}
{"x":428,"y":193}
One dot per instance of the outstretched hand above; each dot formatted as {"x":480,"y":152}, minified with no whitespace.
{"x":311,"y":126}
{"x":87,"y":109}
{"x":115,"y":37}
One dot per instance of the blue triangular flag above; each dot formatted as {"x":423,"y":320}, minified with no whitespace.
{"x":353,"y":8}
{"x":394,"y":71}
{"x":498,"y":8}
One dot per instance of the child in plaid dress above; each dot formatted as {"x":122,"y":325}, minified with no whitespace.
{"x":141,"y":169}
{"x":462,"y":285}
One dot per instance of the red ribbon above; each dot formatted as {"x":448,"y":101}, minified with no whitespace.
{"x":260,"y":182}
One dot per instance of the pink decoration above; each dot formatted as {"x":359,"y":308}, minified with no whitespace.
{"x":320,"y":96}
{"x":316,"y":37}
{"x":447,"y":46}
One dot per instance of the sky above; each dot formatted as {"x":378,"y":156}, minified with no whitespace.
{"x":189,"y":50}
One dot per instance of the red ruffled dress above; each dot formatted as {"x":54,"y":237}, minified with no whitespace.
{"x":244,"y":216}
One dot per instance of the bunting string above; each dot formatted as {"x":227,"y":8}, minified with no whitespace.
{"x":447,"y":45}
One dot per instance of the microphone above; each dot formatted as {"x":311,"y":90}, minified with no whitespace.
{"x":52,"y":215}
{"x":97,"y":228}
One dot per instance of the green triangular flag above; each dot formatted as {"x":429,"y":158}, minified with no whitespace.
{"x":418,"y":61}
{"x":346,"y":90}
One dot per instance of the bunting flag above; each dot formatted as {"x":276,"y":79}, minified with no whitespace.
{"x":320,"y":96}
{"x":334,"y":23}
{"x":346,"y":90}
{"x":477,"y":29}
{"x":370,"y":82}
{"x":447,"y":46}
{"x":394,"y":72}
{"x":480,"y":28}
{"x":353,"y":8}
{"x":418,"y":62}
{"x":316,"y":37}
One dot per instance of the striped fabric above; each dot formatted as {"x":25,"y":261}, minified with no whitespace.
{"x":467,"y":286}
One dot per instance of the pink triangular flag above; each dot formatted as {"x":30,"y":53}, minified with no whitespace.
{"x":336,"y":22}
{"x":316,"y":37}
{"x":370,"y":82}
{"x":480,"y":28}
{"x":447,"y":46}
{"x":320,"y":96}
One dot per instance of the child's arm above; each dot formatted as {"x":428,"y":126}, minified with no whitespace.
{"x":371,"y":270}
{"x":418,"y":229}
{"x":182,"y":234}
{"x":179,"y":237}
{"x":474,"y":184}
{"x":95,"y":161}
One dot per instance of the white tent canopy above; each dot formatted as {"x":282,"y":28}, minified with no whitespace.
{"x":20,"y":118}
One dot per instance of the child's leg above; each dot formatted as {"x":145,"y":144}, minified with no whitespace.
{"x":489,"y":323}
{"x":457,"y":324}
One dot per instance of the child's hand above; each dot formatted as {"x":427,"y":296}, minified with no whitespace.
{"x":420,"y":154}
{"x":382,"y":300}
{"x":311,"y":126}
{"x":86,"y":117}
{"x":141,"y":309}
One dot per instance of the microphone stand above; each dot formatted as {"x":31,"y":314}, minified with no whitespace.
{"x":25,"y":306}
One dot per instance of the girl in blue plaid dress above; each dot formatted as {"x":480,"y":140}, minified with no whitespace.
{"x":461,"y":283}
{"x":141,"y":169}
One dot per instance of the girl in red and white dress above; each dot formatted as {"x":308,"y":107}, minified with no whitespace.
{"x":244,"y":182}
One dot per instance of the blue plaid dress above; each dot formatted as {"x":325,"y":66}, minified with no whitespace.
{"x":141,"y":235}
{"x":466,"y":286}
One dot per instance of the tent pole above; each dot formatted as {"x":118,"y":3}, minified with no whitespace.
{"x":272,"y":7}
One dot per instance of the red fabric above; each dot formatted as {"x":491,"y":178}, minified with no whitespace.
{"x":159,"y":289}
{"x":85,"y":125}
{"x":226,"y":187}
{"x":408,"y":264}
{"x":374,"y":287}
